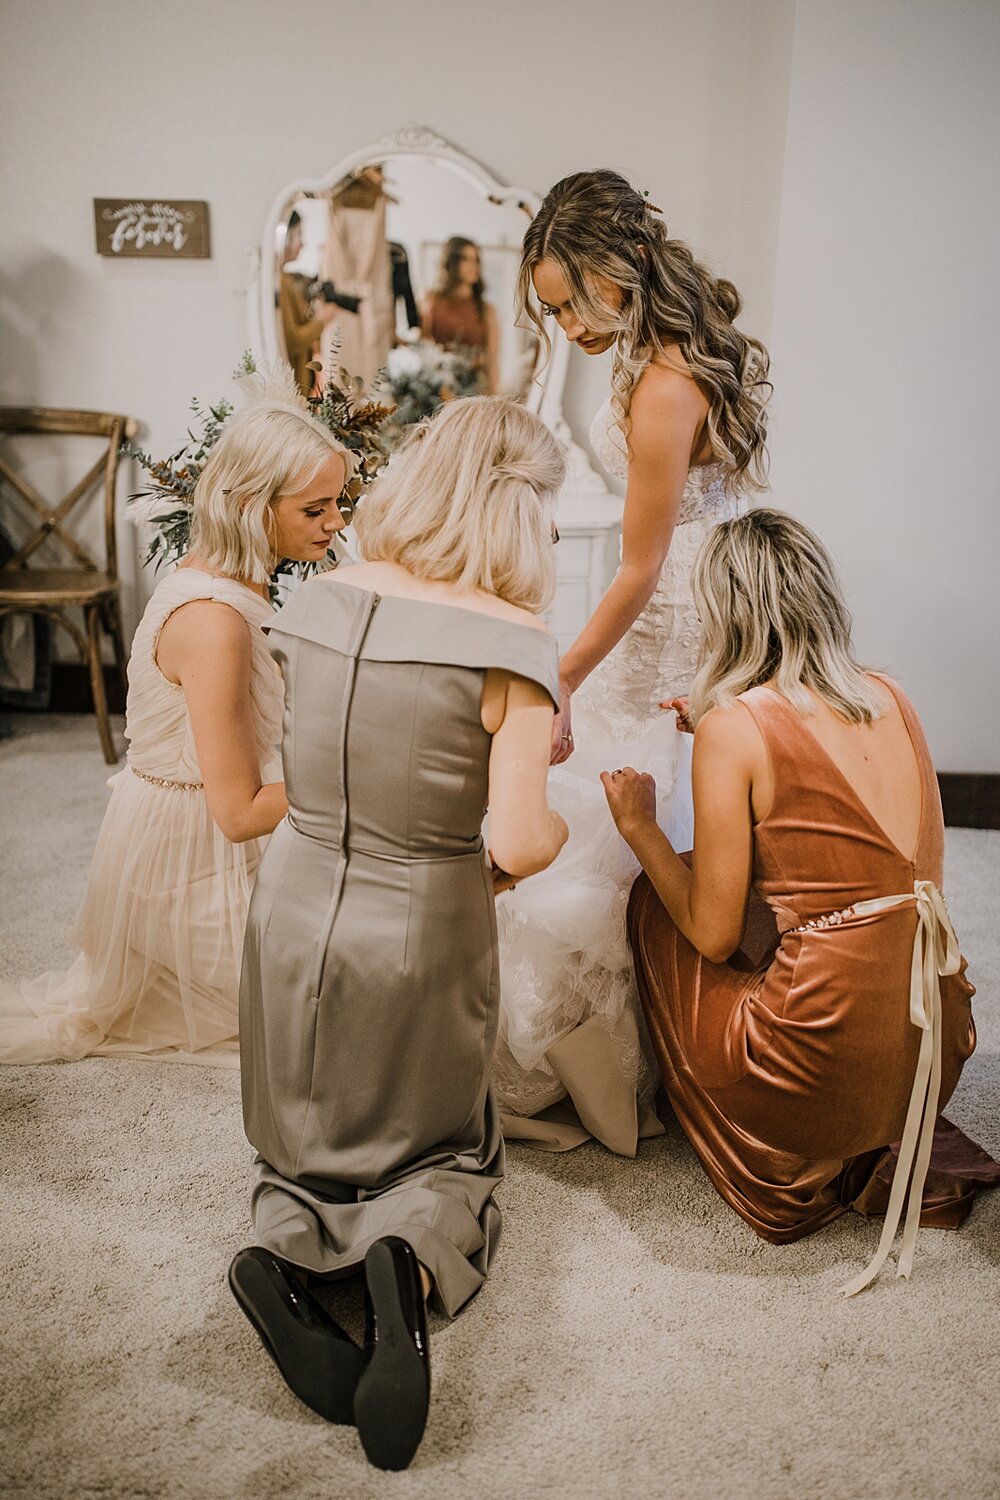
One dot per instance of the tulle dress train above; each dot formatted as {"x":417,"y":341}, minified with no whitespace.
{"x":160,"y":929}
{"x":574,"y":1058}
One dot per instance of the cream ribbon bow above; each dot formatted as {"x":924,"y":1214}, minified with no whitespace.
{"x":935,"y":953}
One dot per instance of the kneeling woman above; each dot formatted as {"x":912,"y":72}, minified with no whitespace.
{"x":813,"y":785}
{"x":161,"y":925}
{"x":418,"y":686}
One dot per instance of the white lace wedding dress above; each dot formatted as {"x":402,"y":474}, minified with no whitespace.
{"x":571,"y":1026}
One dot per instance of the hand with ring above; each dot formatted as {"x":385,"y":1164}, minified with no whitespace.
{"x":631,"y":797}
{"x":562,"y":729}
{"x":502,"y":881}
{"x":680,"y":707}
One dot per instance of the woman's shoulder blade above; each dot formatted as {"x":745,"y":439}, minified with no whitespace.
{"x":218,"y":619}
{"x":215,"y":602}
{"x":668,"y":387}
{"x":725,"y":722}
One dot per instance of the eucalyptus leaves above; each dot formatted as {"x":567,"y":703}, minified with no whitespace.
{"x":166,"y":504}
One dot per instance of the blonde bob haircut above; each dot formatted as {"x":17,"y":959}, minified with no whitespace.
{"x":468,"y":499}
{"x":273,"y":447}
{"x":772,"y":610}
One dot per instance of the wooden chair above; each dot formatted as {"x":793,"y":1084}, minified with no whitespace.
{"x":51,"y":591}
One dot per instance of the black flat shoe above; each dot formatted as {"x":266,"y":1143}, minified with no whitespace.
{"x":314,"y":1354}
{"x":393,"y":1395}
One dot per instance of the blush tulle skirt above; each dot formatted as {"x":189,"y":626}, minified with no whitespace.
{"x":160,"y":933}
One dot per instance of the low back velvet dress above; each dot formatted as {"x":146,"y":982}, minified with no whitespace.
{"x":370,"y":989}
{"x":792,"y":1079}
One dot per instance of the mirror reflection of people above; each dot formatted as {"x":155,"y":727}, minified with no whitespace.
{"x":456,"y":315}
{"x":793,"y":1060}
{"x":419,"y":684}
{"x":302,"y":320}
{"x":161,"y":924}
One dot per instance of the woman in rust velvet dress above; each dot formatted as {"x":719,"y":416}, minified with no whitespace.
{"x":843,"y":1021}
{"x":457,"y":316}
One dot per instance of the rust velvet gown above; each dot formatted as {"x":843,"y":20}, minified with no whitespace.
{"x":791,"y":1079}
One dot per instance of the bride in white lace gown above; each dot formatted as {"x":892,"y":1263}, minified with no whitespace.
{"x":685,"y":429}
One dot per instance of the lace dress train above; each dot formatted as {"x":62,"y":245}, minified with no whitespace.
{"x":574,"y":1058}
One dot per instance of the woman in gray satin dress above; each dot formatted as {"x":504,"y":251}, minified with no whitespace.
{"x":419,"y":686}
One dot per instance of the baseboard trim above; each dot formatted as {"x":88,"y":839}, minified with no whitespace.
{"x":71,"y":691}
{"x":970,"y":799}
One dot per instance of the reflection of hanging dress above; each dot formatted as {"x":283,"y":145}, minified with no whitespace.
{"x":356,"y":260}
{"x":402,"y":285}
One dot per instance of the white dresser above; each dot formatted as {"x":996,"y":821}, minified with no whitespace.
{"x":589,"y":519}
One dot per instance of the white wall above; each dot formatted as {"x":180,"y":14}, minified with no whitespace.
{"x":871,"y":232}
{"x":230,"y":100}
{"x":885,"y":341}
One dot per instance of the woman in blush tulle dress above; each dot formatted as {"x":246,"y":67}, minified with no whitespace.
{"x":685,"y":428}
{"x":160,"y":930}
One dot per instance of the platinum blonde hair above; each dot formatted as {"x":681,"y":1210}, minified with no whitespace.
{"x":595,"y":225}
{"x":772,"y":610}
{"x":468,"y":499}
{"x":272,"y":447}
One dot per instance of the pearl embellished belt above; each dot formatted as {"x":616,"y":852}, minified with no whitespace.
{"x":829,"y":919}
{"x":935,"y":953}
{"x":171,"y":786}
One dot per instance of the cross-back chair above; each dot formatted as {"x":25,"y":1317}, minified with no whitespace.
{"x":87,"y":582}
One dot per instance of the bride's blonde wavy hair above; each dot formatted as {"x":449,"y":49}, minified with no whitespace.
{"x":595,"y":224}
{"x":772,"y":610}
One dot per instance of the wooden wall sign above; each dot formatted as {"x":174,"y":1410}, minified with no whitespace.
{"x":174,"y":229}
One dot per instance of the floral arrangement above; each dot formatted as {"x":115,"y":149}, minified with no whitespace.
{"x":419,"y":377}
{"x":166,"y":505}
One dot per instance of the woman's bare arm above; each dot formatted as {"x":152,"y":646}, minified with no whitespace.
{"x":668,"y":411}
{"x":707,"y":901}
{"x":205,"y":648}
{"x":525,"y":834}
{"x":666,"y":415}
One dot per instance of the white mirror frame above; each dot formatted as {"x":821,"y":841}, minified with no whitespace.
{"x":545,"y":393}
{"x":586,"y":505}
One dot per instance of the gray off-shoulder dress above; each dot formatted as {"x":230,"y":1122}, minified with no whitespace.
{"x":370,"y":987}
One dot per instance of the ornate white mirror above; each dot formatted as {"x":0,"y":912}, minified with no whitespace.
{"x":404,"y":257}
{"x":408,"y":241}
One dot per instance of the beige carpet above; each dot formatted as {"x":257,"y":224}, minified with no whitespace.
{"x":636,"y":1339}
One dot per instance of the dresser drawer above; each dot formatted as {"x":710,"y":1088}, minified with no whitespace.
{"x":575,"y":556}
{"x":570,"y":608}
